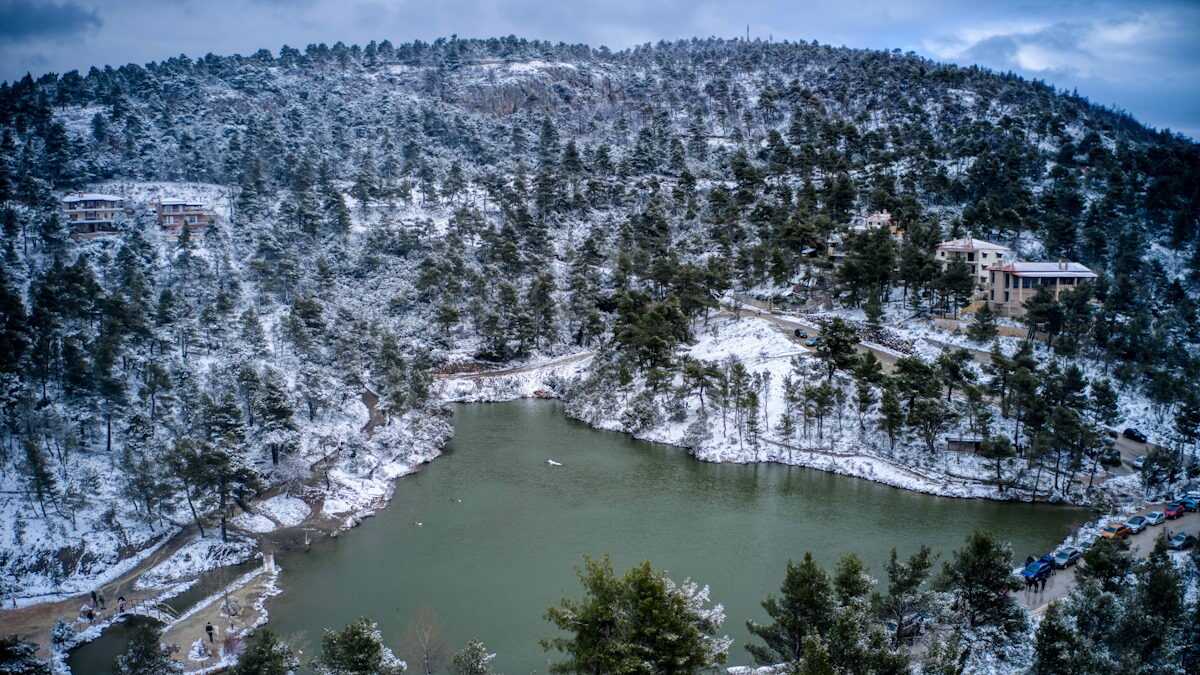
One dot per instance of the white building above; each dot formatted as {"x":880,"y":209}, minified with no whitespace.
{"x":977,"y":253}
{"x":1014,"y":283}
{"x":92,"y":214}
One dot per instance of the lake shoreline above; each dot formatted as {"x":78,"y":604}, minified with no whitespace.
{"x":539,"y":381}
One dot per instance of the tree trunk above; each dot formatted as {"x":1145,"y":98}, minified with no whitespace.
{"x":187,"y":491}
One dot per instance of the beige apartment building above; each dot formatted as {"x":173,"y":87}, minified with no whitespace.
{"x":977,"y":253}
{"x":1013,"y":283}
{"x":93,"y":214}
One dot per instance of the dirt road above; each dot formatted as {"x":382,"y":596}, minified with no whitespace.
{"x":788,"y":326}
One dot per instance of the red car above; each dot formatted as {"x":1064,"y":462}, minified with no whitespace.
{"x":1174,"y":510}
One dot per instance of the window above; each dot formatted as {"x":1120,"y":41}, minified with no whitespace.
{"x":1006,"y":296}
{"x":971,"y":256}
{"x":1006,"y":284}
{"x":984,"y":255}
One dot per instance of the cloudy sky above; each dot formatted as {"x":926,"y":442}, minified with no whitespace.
{"x":1141,"y":56}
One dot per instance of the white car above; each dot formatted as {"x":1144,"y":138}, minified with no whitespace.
{"x":1139,"y":462}
{"x":1136,"y":524}
{"x":1156,"y":518}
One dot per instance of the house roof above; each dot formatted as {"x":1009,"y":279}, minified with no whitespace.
{"x":91,"y":197}
{"x":1062,"y":270}
{"x":972,"y":244}
{"x":181,"y":202}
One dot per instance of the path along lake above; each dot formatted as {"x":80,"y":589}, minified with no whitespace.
{"x":501,"y":532}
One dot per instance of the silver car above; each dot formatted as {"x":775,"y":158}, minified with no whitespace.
{"x":1136,"y":524}
{"x":1156,"y":518}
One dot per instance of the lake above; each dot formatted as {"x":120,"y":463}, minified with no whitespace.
{"x":489,"y":535}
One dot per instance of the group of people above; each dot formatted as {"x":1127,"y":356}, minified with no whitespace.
{"x":96,"y":604}
{"x":1038,"y":585}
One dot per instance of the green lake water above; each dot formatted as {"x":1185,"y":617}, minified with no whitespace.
{"x":502,"y":531}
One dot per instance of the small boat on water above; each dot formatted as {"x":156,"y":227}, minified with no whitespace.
{"x":553,"y":463}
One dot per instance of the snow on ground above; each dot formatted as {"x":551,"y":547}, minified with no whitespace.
{"x":200,"y":555}
{"x":271,"y":514}
{"x":536,"y":380}
{"x":255,"y":522}
{"x":288,"y":511}
{"x":360,"y":483}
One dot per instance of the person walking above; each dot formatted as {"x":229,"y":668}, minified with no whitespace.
{"x":95,"y":602}
{"x":1043,"y":590}
{"x":121,"y":604}
{"x":209,"y":629}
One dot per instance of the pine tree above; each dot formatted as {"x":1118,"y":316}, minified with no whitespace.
{"x":837,"y":346}
{"x":357,"y":649}
{"x":275,"y":413}
{"x":39,"y":480}
{"x":18,"y":657}
{"x":892,"y":416}
{"x":266,"y":654}
{"x":540,"y":303}
{"x":14,"y":329}
{"x":983,"y":328}
{"x":979,"y":574}
{"x":144,"y":655}
{"x":804,"y":609}
{"x":640,"y":622}
{"x":472,"y":660}
{"x":365,"y":189}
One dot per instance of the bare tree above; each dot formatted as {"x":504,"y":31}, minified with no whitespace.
{"x":425,"y":645}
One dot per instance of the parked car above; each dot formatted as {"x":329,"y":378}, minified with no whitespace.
{"x":1155,"y":518}
{"x":812,"y":341}
{"x":1136,"y":524}
{"x":1110,"y":457}
{"x":1181,"y":541}
{"x":1139,"y":462}
{"x":1174,"y":510}
{"x":1037,"y":570}
{"x":1067,"y":557}
{"x":1114,"y":530}
{"x":1189,"y":504}
{"x":1134,"y":435}
{"x":1088,"y":543}
{"x":800,"y":333}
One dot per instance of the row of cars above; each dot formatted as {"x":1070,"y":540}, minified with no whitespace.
{"x":1039,"y":569}
{"x":1036,"y":570}
{"x":1173,"y":510}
